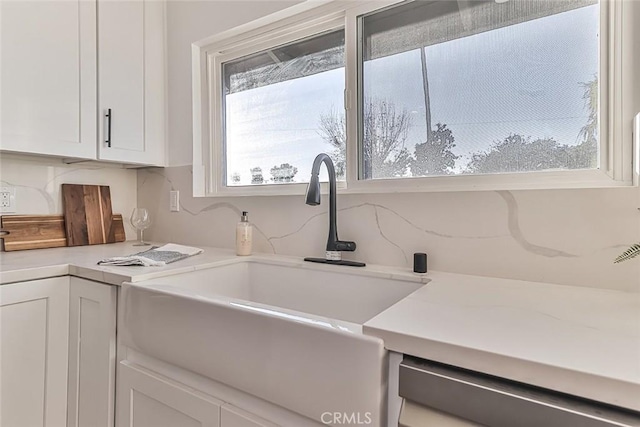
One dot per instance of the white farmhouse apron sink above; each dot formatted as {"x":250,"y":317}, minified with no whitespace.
{"x":289,"y":333}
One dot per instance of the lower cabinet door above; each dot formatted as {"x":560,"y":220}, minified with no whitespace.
{"x":146,"y":399}
{"x":231,"y":416}
{"x":34,"y":327}
{"x":92,"y":353}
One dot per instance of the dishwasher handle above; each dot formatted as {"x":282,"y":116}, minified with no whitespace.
{"x":496,"y":402}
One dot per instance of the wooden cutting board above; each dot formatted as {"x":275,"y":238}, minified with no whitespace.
{"x":118,"y":227}
{"x":87,"y":213}
{"x":33,"y":232}
{"x":43,"y":231}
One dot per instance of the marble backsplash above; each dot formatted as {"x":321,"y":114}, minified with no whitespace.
{"x":556,"y":236}
{"x":38,"y":184}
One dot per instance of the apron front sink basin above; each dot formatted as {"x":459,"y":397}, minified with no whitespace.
{"x":289,"y":333}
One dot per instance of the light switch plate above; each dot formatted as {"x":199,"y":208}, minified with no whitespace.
{"x":174,"y":201}
{"x":636,"y":149}
{"x":7,"y":199}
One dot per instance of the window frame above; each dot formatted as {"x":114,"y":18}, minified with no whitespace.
{"x":616,"y":147}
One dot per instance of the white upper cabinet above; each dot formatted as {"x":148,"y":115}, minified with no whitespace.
{"x":131,"y":81}
{"x":48,"y":77}
{"x":65,"y":64}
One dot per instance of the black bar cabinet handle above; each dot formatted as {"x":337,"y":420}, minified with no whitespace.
{"x":108,"y":138}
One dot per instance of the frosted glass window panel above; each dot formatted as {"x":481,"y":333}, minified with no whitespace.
{"x":276,"y":105}
{"x":454,"y":87}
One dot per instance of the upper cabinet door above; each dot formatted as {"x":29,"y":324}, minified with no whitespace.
{"x":131,"y":81}
{"x":48,"y":73}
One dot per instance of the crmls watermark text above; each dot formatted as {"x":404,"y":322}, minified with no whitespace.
{"x":346,"y":418}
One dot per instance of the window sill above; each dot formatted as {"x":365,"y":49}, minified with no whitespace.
{"x":583,"y":179}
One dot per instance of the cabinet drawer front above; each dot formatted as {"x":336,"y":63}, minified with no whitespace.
{"x":146,"y":399}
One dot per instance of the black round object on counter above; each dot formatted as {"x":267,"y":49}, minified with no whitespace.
{"x":419,"y":262}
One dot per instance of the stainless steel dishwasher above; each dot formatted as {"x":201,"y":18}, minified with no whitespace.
{"x":443,"y":396}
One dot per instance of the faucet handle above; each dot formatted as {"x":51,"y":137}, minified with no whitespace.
{"x":345,"y":246}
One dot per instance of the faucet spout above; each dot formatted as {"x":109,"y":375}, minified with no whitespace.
{"x":334,"y":245}
{"x":313,"y":195}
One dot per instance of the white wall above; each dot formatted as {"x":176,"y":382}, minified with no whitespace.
{"x":187,"y":22}
{"x":557,"y":236}
{"x":38,"y":182}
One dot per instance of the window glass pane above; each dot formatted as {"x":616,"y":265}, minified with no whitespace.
{"x":453,"y":87}
{"x":277,"y":104}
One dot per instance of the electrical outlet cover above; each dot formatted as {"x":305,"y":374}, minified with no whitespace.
{"x":7,"y":199}
{"x":174,"y":201}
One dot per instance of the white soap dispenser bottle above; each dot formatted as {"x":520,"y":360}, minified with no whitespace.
{"x":244,"y":236}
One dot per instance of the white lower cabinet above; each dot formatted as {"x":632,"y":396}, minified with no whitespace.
{"x":34,"y":330}
{"x":146,"y":399}
{"x":231,"y":416}
{"x":149,"y":399}
{"x":92,"y":353}
{"x":57,"y":353}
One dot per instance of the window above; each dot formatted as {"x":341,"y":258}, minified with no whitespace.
{"x":416,"y":96}
{"x":275,"y":102}
{"x":479,"y":87}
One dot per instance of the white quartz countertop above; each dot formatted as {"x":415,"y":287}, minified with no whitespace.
{"x":575,"y":340}
{"x":82,"y":261}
